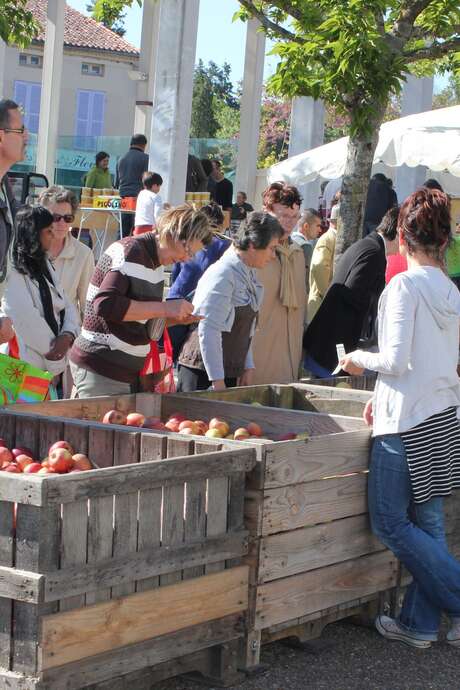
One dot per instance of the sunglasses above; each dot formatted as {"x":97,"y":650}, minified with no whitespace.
{"x":19,"y":130}
{"x":67,"y":217}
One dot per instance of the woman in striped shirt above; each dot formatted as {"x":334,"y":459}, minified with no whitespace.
{"x":415,"y":458}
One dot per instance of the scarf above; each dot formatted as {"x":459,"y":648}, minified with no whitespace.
{"x":44,"y":279}
{"x":288,"y":295}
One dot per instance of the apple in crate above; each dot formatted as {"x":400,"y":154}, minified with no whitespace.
{"x":220,"y":425}
{"x":60,"y":460}
{"x":114,"y":417}
{"x":135,"y":419}
{"x":22,"y":450}
{"x":32,"y":468}
{"x":81,"y":462}
{"x":6,"y":456}
{"x":61,"y":444}
{"x":12,"y":468}
{"x":241,"y":434}
{"x":153,"y":423}
{"x":23,"y":460}
{"x":254,"y":429}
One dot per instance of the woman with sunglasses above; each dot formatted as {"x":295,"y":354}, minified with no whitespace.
{"x":124,"y":308}
{"x":73,"y":261}
{"x":45,"y":322}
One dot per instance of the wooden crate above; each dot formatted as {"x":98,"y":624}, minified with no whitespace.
{"x":295,"y":396}
{"x":130,"y":572}
{"x":312,"y":557}
{"x":366,"y":382}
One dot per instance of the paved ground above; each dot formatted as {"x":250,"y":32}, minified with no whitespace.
{"x":358,"y":659}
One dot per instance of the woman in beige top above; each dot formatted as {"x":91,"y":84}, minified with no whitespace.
{"x":73,"y":261}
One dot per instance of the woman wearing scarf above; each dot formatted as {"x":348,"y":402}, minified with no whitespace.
{"x":277,"y":343}
{"x":228,"y":297}
{"x":45,"y":322}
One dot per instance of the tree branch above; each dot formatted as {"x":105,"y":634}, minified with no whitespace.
{"x":436,"y":50}
{"x":267,"y":23}
{"x":410,"y":10}
{"x":296,"y":14}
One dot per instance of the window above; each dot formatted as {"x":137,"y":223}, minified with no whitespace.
{"x":28,"y":60}
{"x":27,"y":94}
{"x":92,"y":69}
{"x":89,"y":118}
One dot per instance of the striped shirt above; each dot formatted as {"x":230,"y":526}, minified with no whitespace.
{"x":128,"y":270}
{"x":433,"y":455}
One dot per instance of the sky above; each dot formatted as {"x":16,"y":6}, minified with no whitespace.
{"x":219,"y":39}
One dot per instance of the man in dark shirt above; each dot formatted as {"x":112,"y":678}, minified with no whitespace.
{"x":380,"y":198}
{"x":241,"y":209}
{"x":223,"y":194}
{"x":130,"y":169}
{"x":13,"y":140}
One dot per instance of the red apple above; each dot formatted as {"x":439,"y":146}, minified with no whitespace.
{"x":22,"y":450}
{"x":13,"y":468}
{"x":241,"y":434}
{"x":254,"y":429}
{"x":23,"y":460}
{"x":153,"y":423}
{"x":61,"y":444}
{"x":172,"y":425}
{"x":60,"y":460}
{"x":114,"y":417}
{"x":32,"y":468}
{"x":286,"y":437}
{"x":176,"y":417}
{"x":220,"y":425}
{"x":135,"y":419}
{"x":46,"y":470}
{"x":6,"y":456}
{"x":2,"y":443}
{"x":187,"y":431}
{"x":81,"y":462}
{"x":202,"y":425}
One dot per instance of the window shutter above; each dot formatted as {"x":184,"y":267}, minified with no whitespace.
{"x":27,"y":94}
{"x":89,"y":120}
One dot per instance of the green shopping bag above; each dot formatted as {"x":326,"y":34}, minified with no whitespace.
{"x":22,"y":382}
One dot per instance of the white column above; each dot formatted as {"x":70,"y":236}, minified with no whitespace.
{"x":251,"y":99}
{"x":307,"y":132}
{"x":175,"y":39}
{"x":417,"y":97}
{"x":51,"y":89}
{"x":2,"y":68}
{"x":144,"y":91}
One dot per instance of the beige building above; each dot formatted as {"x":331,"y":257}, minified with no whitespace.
{"x":98,"y":96}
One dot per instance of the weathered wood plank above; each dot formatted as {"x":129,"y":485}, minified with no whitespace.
{"x":148,"y":563}
{"x":125,"y":511}
{"x":303,"y":400}
{"x":301,"y":505}
{"x":8,"y":428}
{"x":292,"y":597}
{"x":195,"y":516}
{"x":302,"y":550}
{"x":236,"y":507}
{"x":37,"y":550}
{"x":151,"y":653}
{"x":23,"y":488}
{"x":27,"y":432}
{"x":172,"y":532}
{"x":50,"y":431}
{"x":101,"y":446}
{"x":118,"y":480}
{"x":333,"y":392}
{"x":77,"y":436}
{"x":74,"y":635}
{"x":21,"y":585}
{"x":302,"y":461}
{"x":6,"y":559}
{"x":92,"y":409}
{"x":17,"y":681}
{"x":74,"y":543}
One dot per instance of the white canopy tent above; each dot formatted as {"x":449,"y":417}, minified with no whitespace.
{"x":431,"y":139}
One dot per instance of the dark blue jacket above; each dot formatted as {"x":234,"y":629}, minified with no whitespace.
{"x":185,"y":276}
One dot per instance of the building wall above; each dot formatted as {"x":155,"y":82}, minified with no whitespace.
{"x":120,"y":90}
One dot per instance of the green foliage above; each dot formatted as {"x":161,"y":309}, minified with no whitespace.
{"x":450,"y":95}
{"x":111,"y":13}
{"x":215,"y":108}
{"x":354,"y":54}
{"x":204,"y":124}
{"x":228,"y":119}
{"x":17,"y":24}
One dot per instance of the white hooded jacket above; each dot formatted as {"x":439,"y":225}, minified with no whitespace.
{"x":419,"y":321}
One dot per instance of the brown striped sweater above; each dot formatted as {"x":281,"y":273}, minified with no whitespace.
{"x":128,"y":270}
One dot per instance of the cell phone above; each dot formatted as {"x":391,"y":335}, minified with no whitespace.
{"x":340,"y":355}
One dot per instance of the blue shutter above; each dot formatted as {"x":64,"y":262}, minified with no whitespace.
{"x":89,"y":119}
{"x":27,"y":94}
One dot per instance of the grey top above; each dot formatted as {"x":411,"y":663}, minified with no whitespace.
{"x":129,"y":172}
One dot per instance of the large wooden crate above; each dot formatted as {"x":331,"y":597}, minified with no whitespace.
{"x":312,"y":557}
{"x":295,"y":396}
{"x":132,"y":571}
{"x":366,"y":382}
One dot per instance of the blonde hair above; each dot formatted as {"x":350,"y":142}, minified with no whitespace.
{"x":56,"y":194}
{"x":184,"y":224}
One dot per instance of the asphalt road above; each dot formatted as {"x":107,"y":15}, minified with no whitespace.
{"x":354,"y":658}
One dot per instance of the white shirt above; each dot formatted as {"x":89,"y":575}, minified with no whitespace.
{"x":419,"y":314}
{"x":149,"y":206}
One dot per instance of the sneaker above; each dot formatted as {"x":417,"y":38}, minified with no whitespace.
{"x":390,"y":628}
{"x":453,"y":636}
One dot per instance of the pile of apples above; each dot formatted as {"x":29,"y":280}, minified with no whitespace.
{"x":61,"y":459}
{"x":133,"y":419}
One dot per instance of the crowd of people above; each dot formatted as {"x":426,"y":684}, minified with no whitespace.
{"x":260,"y":307}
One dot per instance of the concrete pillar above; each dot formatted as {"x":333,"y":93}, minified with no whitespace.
{"x":417,"y":97}
{"x":307,"y":132}
{"x":2,"y":68}
{"x":175,"y":49}
{"x":144,"y":91}
{"x":251,"y":100}
{"x":51,"y":89}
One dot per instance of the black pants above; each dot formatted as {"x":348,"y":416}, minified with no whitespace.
{"x":127,"y":224}
{"x":196,"y":380}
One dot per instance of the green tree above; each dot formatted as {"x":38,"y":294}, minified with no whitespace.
{"x":111,"y":13}
{"x":204,"y":124}
{"x":228,"y":119}
{"x":17,"y":23}
{"x":450,"y":95}
{"x":354,"y":54}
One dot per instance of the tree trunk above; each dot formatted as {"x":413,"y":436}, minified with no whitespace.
{"x":358,"y":168}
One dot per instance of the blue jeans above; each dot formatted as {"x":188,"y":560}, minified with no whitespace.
{"x":415,"y":533}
